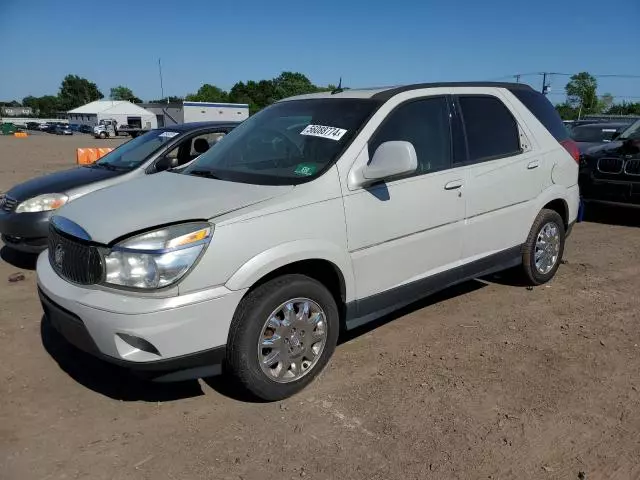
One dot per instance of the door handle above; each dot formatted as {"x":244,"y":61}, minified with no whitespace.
{"x":532,"y":165}
{"x":454,"y":185}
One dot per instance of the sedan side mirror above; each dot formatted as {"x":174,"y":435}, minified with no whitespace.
{"x":391,"y":159}
{"x":166,"y":163}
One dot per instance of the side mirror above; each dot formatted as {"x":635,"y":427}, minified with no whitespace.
{"x":391,"y":159}
{"x":166,"y":163}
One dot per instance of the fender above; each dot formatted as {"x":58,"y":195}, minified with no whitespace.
{"x":290,"y":252}
{"x":556,"y":192}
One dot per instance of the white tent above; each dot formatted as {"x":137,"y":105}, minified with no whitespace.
{"x":121,"y":111}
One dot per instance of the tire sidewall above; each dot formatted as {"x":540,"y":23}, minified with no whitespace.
{"x":246,"y":329}
{"x":543,"y":219}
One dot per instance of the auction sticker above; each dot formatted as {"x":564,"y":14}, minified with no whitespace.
{"x":322,"y":131}
{"x":305,"y":169}
{"x":168,"y":134}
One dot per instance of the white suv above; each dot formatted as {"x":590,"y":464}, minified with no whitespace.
{"x":320,"y":213}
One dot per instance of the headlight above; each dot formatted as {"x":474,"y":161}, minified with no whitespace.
{"x":43,"y":203}
{"x":159,"y":258}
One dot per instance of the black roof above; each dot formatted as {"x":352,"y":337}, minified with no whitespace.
{"x":187,"y":127}
{"x":387,"y":94}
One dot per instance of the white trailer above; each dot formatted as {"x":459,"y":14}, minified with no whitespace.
{"x":214,"y":112}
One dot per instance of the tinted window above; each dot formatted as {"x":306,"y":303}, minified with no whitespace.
{"x":424,"y":123}
{"x":287,"y":143}
{"x":544,"y":112}
{"x":133,"y":153}
{"x":593,"y":133}
{"x":490,"y":128}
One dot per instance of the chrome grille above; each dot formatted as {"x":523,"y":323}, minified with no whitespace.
{"x":8,"y":204}
{"x":632,"y":167}
{"x":610,"y":165}
{"x":74,"y":261}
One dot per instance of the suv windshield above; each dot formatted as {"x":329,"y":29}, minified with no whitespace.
{"x":593,"y":133}
{"x":633,"y":132}
{"x":287,"y":143}
{"x":133,"y":153}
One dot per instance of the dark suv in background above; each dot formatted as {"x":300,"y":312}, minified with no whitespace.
{"x":611,"y":173}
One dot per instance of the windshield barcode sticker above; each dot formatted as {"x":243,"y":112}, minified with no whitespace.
{"x":322,"y":131}
{"x":168,"y":134}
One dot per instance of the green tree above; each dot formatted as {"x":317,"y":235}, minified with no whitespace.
{"x":208,"y":93}
{"x":624,"y":108}
{"x":45,"y":106}
{"x":76,"y":91}
{"x":581,"y":92}
{"x":288,"y":84}
{"x":123,"y":93}
{"x":567,"y":111}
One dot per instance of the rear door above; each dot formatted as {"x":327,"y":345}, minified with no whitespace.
{"x":505,"y":175}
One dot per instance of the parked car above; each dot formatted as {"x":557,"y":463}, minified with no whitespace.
{"x":319,"y":213}
{"x":62,"y":130}
{"x":33,"y":125}
{"x":587,"y":136}
{"x":26,"y":208}
{"x":610,"y":173}
{"x":43,"y":127}
{"x":85,"y":129}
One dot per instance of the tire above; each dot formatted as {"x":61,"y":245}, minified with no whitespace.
{"x":103,"y":135}
{"x":275,"y":381}
{"x":533,"y":273}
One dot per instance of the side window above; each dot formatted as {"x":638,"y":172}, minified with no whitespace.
{"x":491,"y":130}
{"x":198,"y":145}
{"x":424,"y":123}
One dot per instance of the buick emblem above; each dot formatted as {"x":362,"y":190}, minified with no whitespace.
{"x":58,"y":255}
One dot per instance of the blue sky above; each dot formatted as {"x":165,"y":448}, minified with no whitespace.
{"x":366,"y":42}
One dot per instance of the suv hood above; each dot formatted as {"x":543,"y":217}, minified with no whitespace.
{"x":161,"y":199}
{"x":615,"y":149}
{"x":60,"y":182}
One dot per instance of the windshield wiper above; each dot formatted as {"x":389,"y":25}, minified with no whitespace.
{"x":106,"y":166}
{"x":204,"y":173}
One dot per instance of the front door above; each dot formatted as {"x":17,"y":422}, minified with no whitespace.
{"x":405,"y":230}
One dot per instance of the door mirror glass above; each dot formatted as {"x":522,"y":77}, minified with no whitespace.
{"x":391,"y":159}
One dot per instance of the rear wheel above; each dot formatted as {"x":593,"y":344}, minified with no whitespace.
{"x":282,"y":336}
{"x":544,"y":247}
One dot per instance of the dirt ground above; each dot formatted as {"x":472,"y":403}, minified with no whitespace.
{"x":489,"y":380}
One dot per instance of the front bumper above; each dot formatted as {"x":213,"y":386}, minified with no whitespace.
{"x":622,"y":192}
{"x":174,"y":338}
{"x":26,"y":232}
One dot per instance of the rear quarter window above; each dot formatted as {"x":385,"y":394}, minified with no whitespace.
{"x":543,"y":111}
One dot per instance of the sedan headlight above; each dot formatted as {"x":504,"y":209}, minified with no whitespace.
{"x":43,"y":203}
{"x":157,"y":259}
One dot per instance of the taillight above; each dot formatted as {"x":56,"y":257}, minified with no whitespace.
{"x":571,"y":147}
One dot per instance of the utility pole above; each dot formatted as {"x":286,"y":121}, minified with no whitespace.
{"x":518,"y":78}
{"x":161,"y":87}
{"x":544,"y":83}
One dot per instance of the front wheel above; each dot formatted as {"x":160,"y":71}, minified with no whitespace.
{"x":544,"y":247}
{"x":103,"y":135}
{"x":282,"y":335}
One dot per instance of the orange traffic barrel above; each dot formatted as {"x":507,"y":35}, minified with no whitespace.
{"x":20,"y":134}
{"x":86,"y":156}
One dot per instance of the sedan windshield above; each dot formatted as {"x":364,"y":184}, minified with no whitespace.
{"x":132,"y":154}
{"x":633,"y":132}
{"x":287,"y":143}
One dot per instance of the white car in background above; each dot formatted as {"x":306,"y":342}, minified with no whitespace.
{"x":320,"y":213}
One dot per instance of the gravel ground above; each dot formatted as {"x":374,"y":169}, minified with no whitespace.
{"x":486,"y":380}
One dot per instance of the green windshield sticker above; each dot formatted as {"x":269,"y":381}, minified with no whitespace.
{"x":305,"y":169}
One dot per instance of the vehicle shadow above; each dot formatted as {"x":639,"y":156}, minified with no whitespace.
{"x":612,"y":215}
{"x":107,"y":379}
{"x":23,"y":261}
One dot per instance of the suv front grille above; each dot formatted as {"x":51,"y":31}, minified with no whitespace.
{"x":632,"y":167}
{"x":610,"y":165}
{"x":8,"y":204}
{"x":74,"y":261}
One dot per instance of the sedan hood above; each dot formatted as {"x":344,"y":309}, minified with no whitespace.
{"x":161,"y":199}
{"x":60,"y":182}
